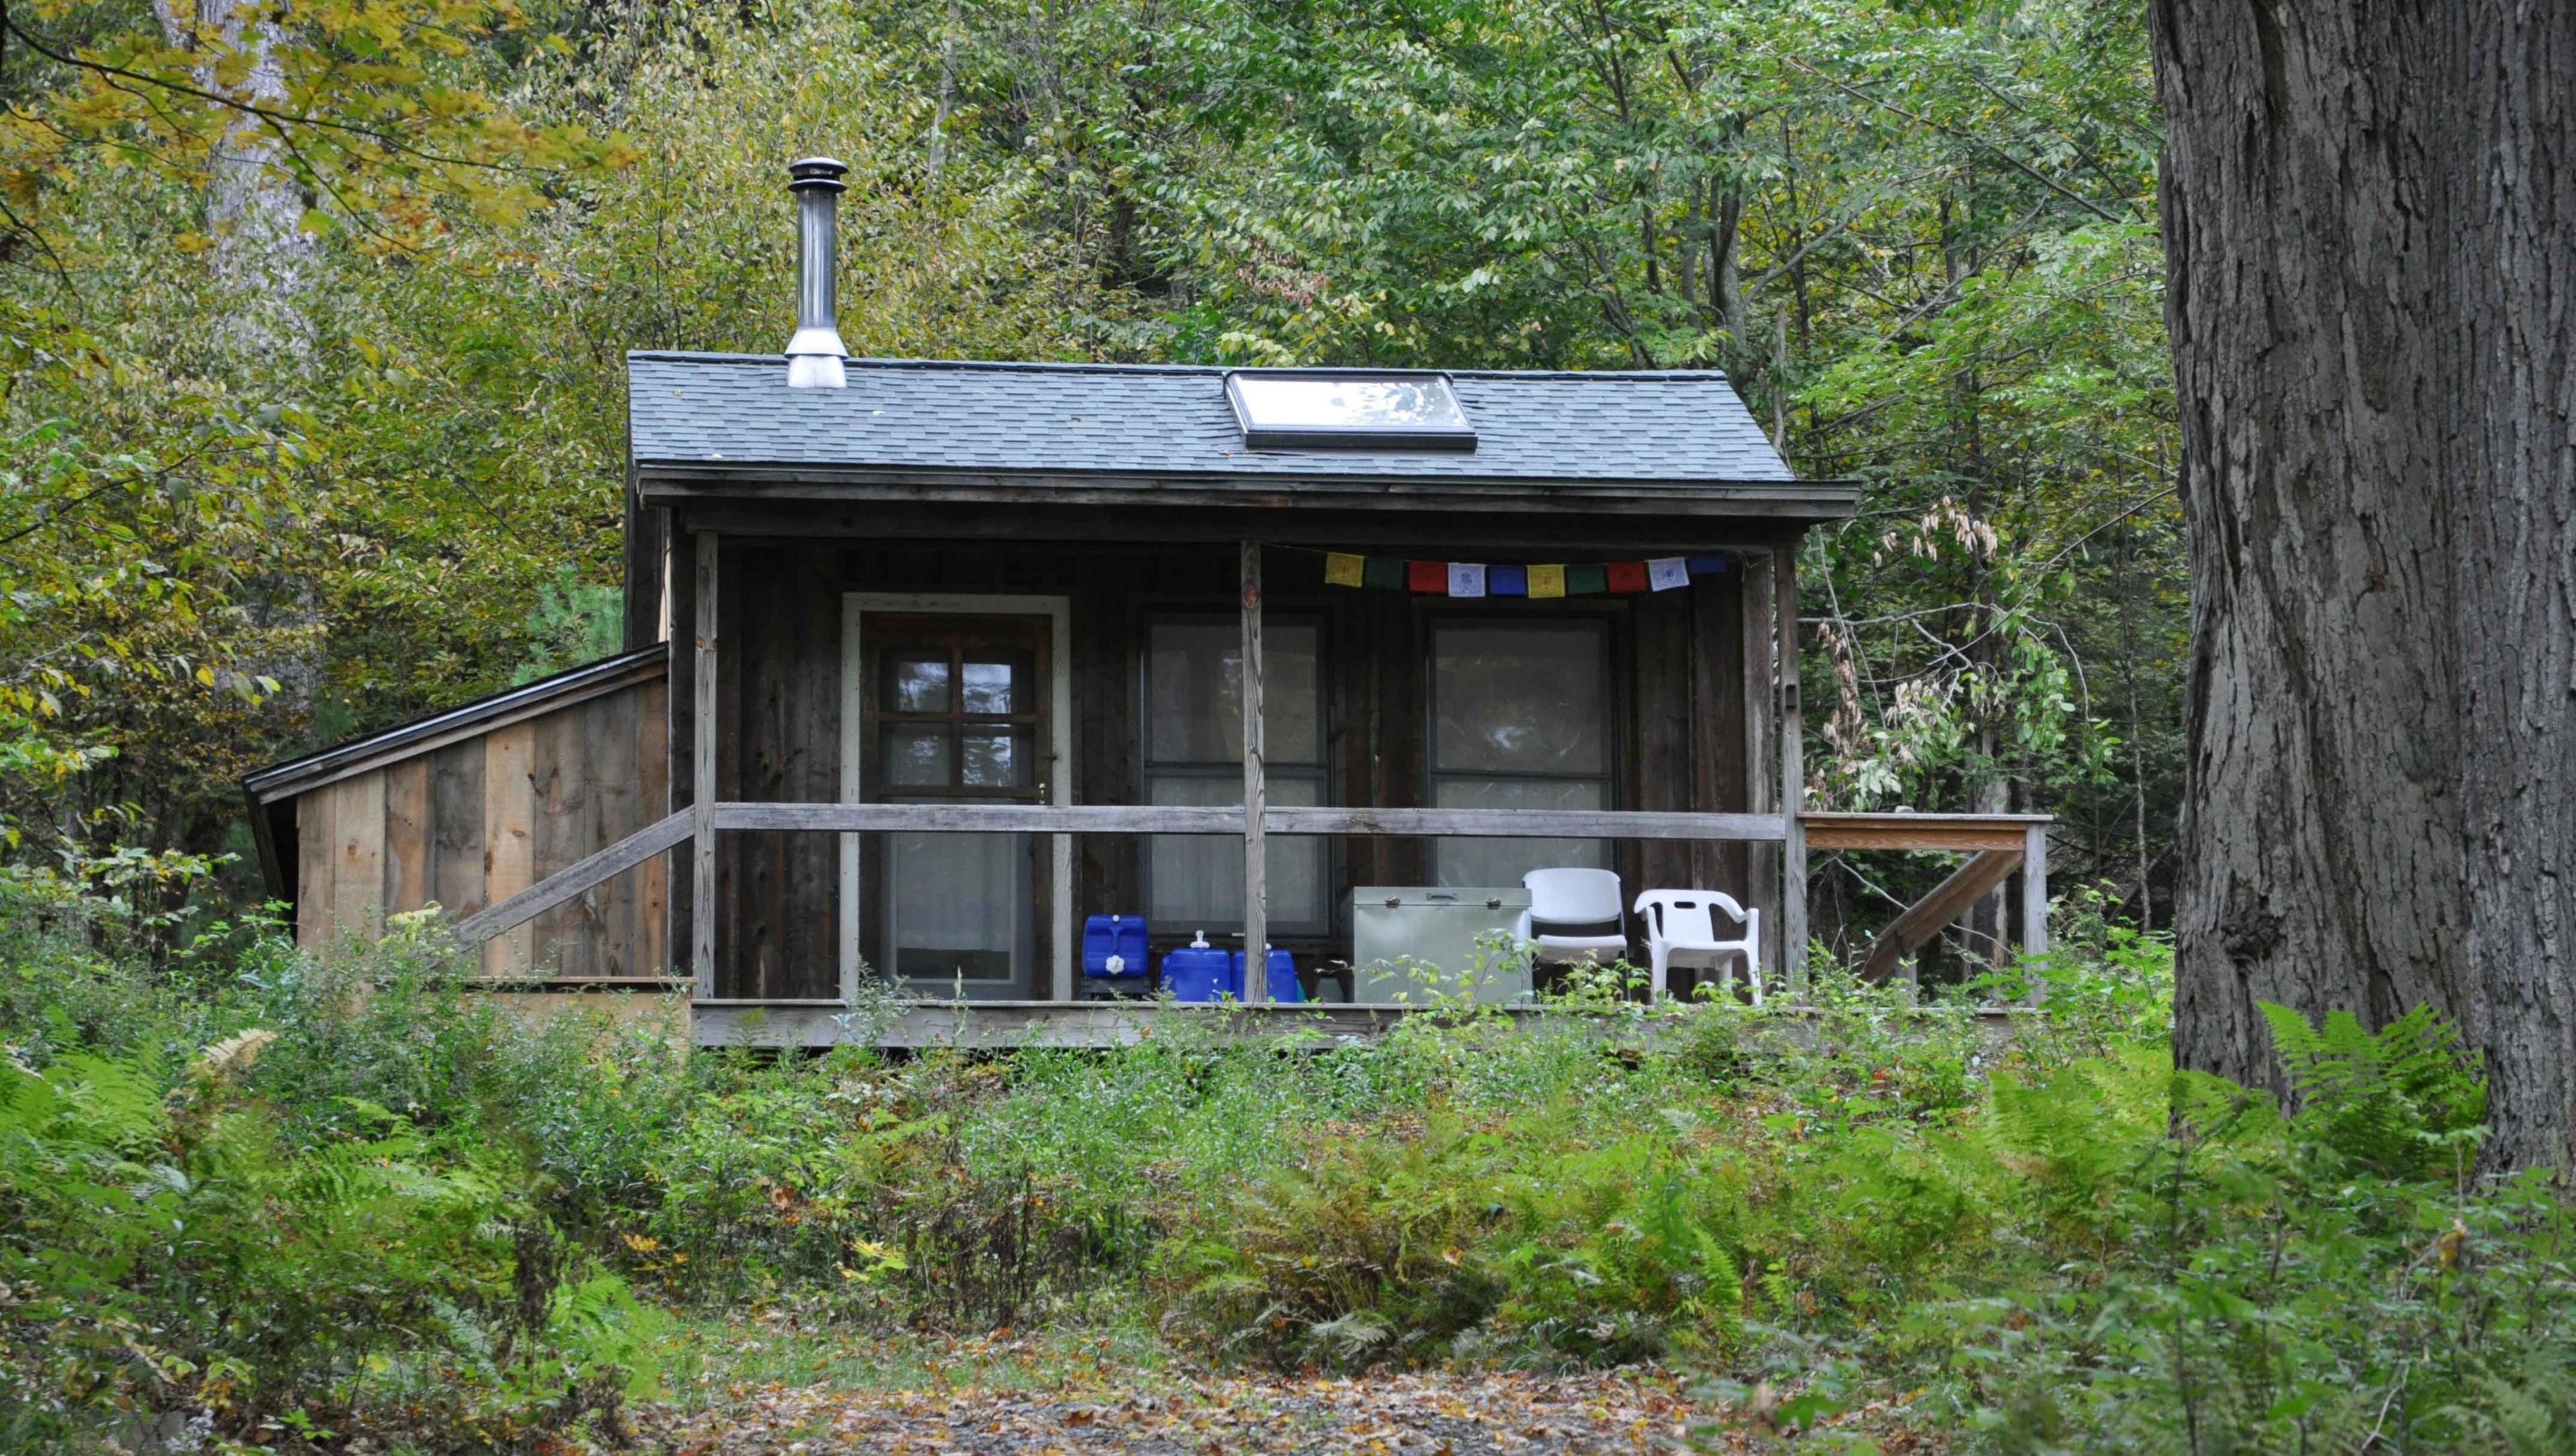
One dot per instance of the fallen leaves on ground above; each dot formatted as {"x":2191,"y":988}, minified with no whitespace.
{"x":1382,"y":1415}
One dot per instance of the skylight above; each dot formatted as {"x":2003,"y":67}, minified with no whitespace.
{"x":1340,"y":409}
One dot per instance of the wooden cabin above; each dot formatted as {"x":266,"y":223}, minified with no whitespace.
{"x":931,"y":660}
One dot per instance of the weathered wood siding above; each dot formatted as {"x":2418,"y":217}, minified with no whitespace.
{"x":1681,"y":657}
{"x":473,"y":821}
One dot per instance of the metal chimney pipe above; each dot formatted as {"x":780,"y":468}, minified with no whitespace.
{"x":814,"y":356}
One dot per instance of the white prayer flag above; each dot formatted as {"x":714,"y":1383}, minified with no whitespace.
{"x":1466,"y":578}
{"x":1663,"y":573}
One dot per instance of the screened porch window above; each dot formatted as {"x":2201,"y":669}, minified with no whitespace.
{"x":1193,"y":740}
{"x":1520,"y":719}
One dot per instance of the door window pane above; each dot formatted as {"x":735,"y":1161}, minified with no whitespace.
{"x":995,"y":686}
{"x":916,"y":682}
{"x":996,"y":760}
{"x":1520,"y":719}
{"x":916,"y":755}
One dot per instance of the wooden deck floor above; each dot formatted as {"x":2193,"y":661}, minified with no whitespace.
{"x":999,"y":1025}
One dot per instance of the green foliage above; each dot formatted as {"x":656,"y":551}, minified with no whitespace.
{"x":185,"y":1249}
{"x":2403,"y":1101}
{"x":2028,"y":1237}
{"x":571,"y":624}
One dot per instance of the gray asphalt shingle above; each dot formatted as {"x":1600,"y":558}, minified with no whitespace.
{"x":736,"y":410}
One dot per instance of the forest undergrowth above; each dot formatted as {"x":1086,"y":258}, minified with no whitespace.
{"x":255,"y":1199}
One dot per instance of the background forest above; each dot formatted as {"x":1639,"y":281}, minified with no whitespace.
{"x":265,"y":492}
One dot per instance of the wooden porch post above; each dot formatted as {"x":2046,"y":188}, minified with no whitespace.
{"x":1793,"y":779}
{"x":2034,"y":897}
{"x":702,"y":803}
{"x":1761,"y":699}
{"x":1256,"y":860}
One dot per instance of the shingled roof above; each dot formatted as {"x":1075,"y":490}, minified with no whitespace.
{"x":700,"y":417}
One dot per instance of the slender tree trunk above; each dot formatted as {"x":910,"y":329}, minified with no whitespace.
{"x":2367,"y":217}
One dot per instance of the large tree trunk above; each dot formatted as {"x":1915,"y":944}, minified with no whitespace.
{"x":254,"y":209}
{"x":2370,"y":221}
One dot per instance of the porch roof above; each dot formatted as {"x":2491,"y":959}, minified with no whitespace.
{"x":698,"y":423}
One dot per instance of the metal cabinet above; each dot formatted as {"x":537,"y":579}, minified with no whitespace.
{"x":1409,"y":940}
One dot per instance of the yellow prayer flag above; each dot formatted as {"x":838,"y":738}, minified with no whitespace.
{"x":1547,"y":581}
{"x":1343,"y":569}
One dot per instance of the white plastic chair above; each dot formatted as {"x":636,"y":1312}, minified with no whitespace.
{"x":1575,"y":916}
{"x":1679,"y":927}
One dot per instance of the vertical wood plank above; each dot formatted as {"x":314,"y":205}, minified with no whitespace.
{"x":456,"y":828}
{"x":314,"y":836}
{"x":1256,"y":793}
{"x":653,"y":877}
{"x":566,"y":748}
{"x":812,"y":939}
{"x":759,"y":677}
{"x":408,"y":829}
{"x":1717,"y":736}
{"x":358,"y":853}
{"x":509,"y":844}
{"x":1660,"y":633}
{"x":612,"y":791}
{"x":1793,"y":776}
{"x":680,"y":718}
{"x":702,"y":828}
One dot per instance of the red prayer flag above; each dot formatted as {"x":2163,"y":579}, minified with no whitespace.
{"x":1627,"y":576}
{"x":1428,"y":576}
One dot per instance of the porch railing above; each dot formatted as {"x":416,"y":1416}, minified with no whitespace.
{"x":1998,"y":844}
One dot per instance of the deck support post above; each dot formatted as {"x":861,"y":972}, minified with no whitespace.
{"x":2034,"y":900}
{"x":1761,"y":703}
{"x":702,"y":803}
{"x":1793,"y":779}
{"x":1256,"y":793}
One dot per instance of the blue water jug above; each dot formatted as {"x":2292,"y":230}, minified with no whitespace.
{"x":1283,"y":977}
{"x":1198,"y":971}
{"x":1114,"y":946}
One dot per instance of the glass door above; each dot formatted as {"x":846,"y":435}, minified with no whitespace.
{"x":955,"y":713}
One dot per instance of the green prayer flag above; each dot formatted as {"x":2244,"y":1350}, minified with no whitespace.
{"x":1385,"y":571}
{"x":1586,"y":581}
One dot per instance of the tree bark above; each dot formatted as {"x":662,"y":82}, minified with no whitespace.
{"x":2367,"y":215}
{"x":254,"y":209}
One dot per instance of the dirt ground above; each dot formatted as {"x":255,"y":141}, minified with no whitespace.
{"x":1394,"y":1415}
{"x":1399,"y":1415}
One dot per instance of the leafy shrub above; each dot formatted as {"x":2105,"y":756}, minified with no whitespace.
{"x":2404,"y":1101}
{"x":180,"y":1249}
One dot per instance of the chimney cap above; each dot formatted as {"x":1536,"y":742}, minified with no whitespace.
{"x":816,"y":173}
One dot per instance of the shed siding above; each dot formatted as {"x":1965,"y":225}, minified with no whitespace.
{"x":468,"y":823}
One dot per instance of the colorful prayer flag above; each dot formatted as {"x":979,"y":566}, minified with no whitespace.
{"x":1466,"y":578}
{"x":1343,"y":569}
{"x":1385,"y":571}
{"x":1663,"y":573}
{"x":1709,"y":564}
{"x":1627,"y":576}
{"x":1547,"y":581}
{"x":1427,"y":576}
{"x":1586,"y":581}
{"x":1507,"y":581}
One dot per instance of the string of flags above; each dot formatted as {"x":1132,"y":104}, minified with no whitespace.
{"x":1478,"y":579}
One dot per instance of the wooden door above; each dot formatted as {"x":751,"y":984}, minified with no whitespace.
{"x":956,"y":710}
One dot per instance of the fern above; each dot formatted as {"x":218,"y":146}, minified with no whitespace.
{"x":2401,"y":1102}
